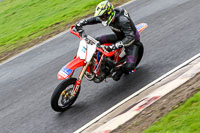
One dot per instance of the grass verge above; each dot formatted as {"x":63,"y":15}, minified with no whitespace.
{"x":24,"y":23}
{"x":185,"y":119}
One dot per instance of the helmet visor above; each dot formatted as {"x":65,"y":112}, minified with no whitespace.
{"x":104,"y":17}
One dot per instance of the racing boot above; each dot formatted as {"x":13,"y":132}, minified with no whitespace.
{"x":118,"y":75}
{"x":125,"y":69}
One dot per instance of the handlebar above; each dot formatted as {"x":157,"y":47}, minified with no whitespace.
{"x":81,"y":34}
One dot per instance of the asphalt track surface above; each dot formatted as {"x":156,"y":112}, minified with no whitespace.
{"x":27,"y":82}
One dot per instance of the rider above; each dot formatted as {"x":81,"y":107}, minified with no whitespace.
{"x":125,"y":33}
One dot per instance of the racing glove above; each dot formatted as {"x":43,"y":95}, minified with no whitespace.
{"x":81,"y":23}
{"x":115,"y":46}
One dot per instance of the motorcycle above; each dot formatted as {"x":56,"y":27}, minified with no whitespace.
{"x":97,"y":64}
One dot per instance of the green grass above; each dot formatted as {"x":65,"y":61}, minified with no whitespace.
{"x":24,"y":20}
{"x":185,"y":119}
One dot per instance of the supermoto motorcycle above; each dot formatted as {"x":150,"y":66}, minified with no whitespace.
{"x":97,"y":64}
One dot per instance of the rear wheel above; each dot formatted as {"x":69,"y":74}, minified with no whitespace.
{"x":140,"y":53}
{"x":62,"y":97}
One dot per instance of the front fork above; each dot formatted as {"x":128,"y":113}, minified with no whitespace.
{"x":78,"y":81}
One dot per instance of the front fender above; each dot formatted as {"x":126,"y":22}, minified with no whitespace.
{"x":69,"y":68}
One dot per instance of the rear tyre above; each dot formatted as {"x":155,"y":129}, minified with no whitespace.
{"x":62,"y":97}
{"x":140,"y":54}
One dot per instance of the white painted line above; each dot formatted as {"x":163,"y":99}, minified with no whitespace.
{"x":148,"y":100}
{"x":136,"y":93}
{"x":127,"y":3}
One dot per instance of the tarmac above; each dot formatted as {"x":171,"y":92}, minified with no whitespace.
{"x":145,"y":97}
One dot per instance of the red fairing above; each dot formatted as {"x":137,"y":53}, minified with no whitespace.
{"x":107,"y":44}
{"x":106,"y":53}
{"x":77,"y":62}
{"x":68,"y":69}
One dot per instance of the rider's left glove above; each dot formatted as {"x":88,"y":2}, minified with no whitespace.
{"x":119,"y":44}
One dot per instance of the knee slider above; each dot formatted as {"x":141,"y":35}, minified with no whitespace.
{"x":129,"y":66}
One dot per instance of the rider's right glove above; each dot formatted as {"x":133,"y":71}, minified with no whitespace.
{"x":80,"y":24}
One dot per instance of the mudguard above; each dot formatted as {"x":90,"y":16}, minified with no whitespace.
{"x":69,"y":68}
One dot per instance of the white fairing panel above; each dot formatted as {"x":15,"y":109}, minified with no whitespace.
{"x":90,"y":52}
{"x":82,"y":49}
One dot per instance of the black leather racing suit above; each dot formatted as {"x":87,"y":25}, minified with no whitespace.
{"x":125,"y":31}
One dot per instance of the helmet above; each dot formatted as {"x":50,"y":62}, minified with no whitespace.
{"x":105,"y":11}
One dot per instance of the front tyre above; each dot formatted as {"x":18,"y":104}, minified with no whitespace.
{"x":62,"y":97}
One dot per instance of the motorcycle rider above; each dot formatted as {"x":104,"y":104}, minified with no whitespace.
{"x":125,"y":33}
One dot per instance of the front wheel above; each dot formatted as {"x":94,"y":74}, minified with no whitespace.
{"x":62,"y":97}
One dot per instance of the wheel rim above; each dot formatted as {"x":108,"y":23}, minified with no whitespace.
{"x":66,"y":97}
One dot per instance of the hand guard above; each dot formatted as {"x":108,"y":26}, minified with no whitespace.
{"x":115,"y":46}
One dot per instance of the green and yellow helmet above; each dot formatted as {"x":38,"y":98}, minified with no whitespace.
{"x":105,"y":11}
